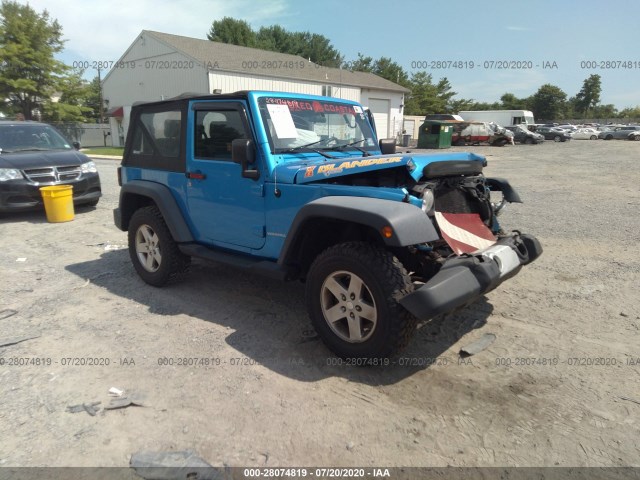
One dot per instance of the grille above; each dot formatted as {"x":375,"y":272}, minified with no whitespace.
{"x":53,"y":174}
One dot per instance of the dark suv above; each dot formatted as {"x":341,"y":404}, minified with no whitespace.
{"x":34,"y":155}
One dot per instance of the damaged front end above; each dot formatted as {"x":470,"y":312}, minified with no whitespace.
{"x":474,"y":254}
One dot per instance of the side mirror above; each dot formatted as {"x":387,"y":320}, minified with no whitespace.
{"x":76,"y":145}
{"x":388,"y":146}
{"x":243,"y":152}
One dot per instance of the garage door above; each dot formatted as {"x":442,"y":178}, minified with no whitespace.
{"x":380,"y":110}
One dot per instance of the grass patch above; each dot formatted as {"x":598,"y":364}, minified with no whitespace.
{"x":117,"y":151}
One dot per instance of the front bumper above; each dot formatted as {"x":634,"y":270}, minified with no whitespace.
{"x":464,"y":278}
{"x":22,"y":195}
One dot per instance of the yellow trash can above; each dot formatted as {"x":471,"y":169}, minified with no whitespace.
{"x":58,"y":203}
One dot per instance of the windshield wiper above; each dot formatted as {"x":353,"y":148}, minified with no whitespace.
{"x":300,"y":147}
{"x":340,"y":148}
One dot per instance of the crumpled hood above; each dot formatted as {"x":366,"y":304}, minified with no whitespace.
{"x":313,"y":170}
{"x":49,"y":158}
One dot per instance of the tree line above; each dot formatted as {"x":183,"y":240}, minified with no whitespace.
{"x":34,"y":83}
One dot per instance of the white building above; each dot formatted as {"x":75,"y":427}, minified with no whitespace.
{"x":159,"y":66}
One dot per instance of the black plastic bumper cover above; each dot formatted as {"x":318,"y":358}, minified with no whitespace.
{"x":463,"y":279}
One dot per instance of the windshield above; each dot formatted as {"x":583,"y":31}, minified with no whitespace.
{"x":29,"y":137}
{"x":302,"y":124}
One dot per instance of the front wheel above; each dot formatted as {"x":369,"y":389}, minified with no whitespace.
{"x":154,"y":253}
{"x":557,"y":138}
{"x":352,"y":298}
{"x":593,"y":137}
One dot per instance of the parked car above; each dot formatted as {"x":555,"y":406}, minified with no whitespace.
{"x":631,"y":132}
{"x":524,"y":135}
{"x":568,"y":127}
{"x":34,"y":155}
{"x":555,"y":134}
{"x":473,"y":133}
{"x":585,"y":134}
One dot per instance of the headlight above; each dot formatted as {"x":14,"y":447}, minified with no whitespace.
{"x":427,"y":200}
{"x":9,"y":174}
{"x":88,"y":167}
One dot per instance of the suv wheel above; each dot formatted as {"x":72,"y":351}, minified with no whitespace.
{"x":154,"y":253}
{"x":351,"y":295}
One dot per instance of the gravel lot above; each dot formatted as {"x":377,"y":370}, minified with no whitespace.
{"x":559,"y":386}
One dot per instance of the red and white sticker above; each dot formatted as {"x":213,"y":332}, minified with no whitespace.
{"x":465,"y":232}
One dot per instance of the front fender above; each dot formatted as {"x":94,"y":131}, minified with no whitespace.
{"x":410,"y":225}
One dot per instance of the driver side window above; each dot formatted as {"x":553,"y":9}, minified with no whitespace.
{"x":214,"y":131}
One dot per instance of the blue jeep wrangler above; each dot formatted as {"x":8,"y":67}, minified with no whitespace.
{"x":297,"y":187}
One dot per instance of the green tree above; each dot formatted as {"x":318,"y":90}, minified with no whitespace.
{"x":28,"y":70}
{"x":316,"y":48}
{"x":549,"y":103}
{"x":93,"y":99}
{"x":632,"y":113}
{"x":510,"y":102}
{"x":308,"y":45}
{"x":384,"y":67}
{"x":68,"y":104}
{"x":427,"y":97}
{"x":605,"y":111}
{"x":362,"y":64}
{"x":589,"y":95}
{"x":233,"y":31}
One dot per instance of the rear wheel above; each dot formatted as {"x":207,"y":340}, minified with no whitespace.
{"x":593,"y":137}
{"x":557,"y":138}
{"x":352,"y":298}
{"x":154,"y":253}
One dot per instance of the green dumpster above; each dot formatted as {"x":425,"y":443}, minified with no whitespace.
{"x":435,"y":134}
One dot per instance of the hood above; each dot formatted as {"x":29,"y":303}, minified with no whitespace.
{"x":308,"y":171}
{"x":49,"y":158}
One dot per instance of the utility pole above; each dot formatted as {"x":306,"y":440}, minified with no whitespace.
{"x":100,"y":97}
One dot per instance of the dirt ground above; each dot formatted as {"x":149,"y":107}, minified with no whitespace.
{"x":560,"y":386}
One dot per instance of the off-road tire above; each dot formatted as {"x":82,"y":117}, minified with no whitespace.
{"x":385,"y":280}
{"x":174,"y":265}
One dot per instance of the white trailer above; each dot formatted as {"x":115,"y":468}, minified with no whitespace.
{"x":505,"y":118}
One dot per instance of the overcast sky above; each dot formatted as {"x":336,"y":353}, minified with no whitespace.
{"x":535,"y":33}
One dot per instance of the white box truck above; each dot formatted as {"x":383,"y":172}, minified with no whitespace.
{"x":505,"y":118}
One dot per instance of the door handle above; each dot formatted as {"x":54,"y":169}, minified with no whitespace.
{"x":195,"y":175}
